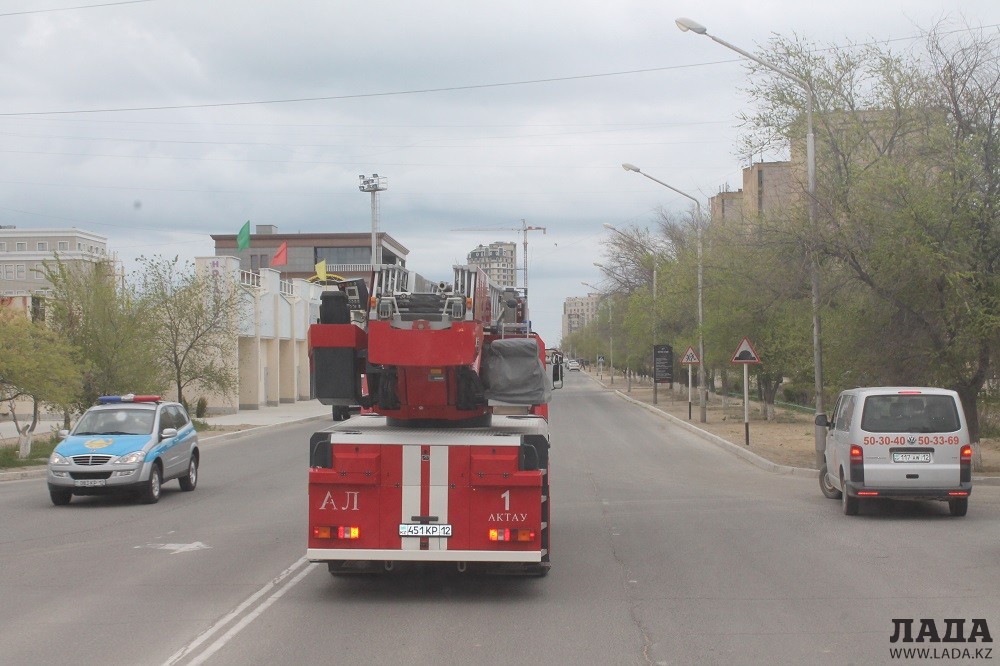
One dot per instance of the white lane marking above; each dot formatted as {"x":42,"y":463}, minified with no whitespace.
{"x":177,"y":547}
{"x":236,"y":612}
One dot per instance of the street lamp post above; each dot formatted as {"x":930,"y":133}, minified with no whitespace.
{"x":686,"y":24}
{"x":703,"y":387}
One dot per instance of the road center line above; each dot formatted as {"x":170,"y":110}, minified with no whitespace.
{"x":236,"y":612}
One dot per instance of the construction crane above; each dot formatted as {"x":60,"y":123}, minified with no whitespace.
{"x":524,"y":229}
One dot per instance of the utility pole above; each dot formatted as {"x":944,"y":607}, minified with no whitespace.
{"x":374,"y":184}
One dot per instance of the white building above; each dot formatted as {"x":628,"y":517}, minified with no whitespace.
{"x":23,"y":251}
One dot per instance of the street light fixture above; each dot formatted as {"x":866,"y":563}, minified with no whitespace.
{"x":615,"y":229}
{"x":702,"y":384}
{"x":611,"y":329}
{"x":686,"y":24}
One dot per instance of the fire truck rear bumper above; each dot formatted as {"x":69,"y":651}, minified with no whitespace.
{"x":329,"y":554}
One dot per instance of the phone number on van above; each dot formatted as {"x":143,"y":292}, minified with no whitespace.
{"x":923,"y":440}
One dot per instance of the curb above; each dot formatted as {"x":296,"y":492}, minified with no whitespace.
{"x":753,"y":458}
{"x":41,"y":471}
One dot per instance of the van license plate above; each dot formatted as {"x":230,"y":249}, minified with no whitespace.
{"x":424,"y":530}
{"x":911,"y":457}
{"x":89,"y":483}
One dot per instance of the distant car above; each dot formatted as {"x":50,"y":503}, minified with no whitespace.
{"x":125,"y":444}
{"x":572,"y":365}
{"x":899,"y":442}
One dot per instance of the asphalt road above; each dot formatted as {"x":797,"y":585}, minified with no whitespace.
{"x":666,"y":550}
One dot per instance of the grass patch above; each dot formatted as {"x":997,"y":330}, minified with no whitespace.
{"x":40,"y":451}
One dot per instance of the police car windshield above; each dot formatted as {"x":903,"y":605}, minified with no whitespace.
{"x":910,"y":413}
{"x":122,"y":421}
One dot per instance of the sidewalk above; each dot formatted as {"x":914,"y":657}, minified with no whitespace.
{"x":303,"y":410}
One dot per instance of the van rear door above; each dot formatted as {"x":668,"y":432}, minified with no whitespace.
{"x":912,"y":439}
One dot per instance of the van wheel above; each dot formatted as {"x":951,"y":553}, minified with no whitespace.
{"x":848,"y":503}
{"x":959,"y":507}
{"x":829,"y":490}
{"x":60,"y":498}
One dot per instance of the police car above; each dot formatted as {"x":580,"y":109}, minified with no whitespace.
{"x":125,"y":444}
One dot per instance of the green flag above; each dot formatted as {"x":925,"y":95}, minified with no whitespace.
{"x":243,"y":238}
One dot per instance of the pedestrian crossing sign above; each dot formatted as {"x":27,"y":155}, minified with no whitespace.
{"x":690,"y":358}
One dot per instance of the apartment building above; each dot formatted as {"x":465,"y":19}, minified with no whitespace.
{"x":578,"y":311}
{"x":498,"y":260}
{"x":769,"y":188}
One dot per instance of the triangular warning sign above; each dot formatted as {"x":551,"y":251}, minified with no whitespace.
{"x":745,"y":353}
{"x":690,"y":358}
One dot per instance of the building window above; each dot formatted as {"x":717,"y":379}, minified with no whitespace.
{"x":21,"y":247}
{"x":255,"y":262}
{"x":42,"y":246}
{"x":21,"y":272}
{"x":37,"y":272}
{"x":3,"y":247}
{"x":63,"y":246}
{"x":79,"y":247}
{"x":8,"y":272}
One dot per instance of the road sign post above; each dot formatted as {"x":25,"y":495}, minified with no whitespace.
{"x":746,"y":355}
{"x":690,"y":359}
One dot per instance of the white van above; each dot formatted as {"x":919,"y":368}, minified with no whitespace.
{"x":898,"y":442}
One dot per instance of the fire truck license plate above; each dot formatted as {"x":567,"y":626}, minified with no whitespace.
{"x":911,"y":457}
{"x":424,"y":530}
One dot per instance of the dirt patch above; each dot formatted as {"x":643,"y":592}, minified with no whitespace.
{"x":787,"y":440}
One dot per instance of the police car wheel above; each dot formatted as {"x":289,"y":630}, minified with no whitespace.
{"x":189,"y":481}
{"x":151,"y":492}
{"x":60,"y":498}
{"x":959,"y":507}
{"x":829,"y":490}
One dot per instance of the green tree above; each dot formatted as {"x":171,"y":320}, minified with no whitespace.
{"x":908,"y":195}
{"x":101,"y":316}
{"x":196,"y":323}
{"x":38,"y":364}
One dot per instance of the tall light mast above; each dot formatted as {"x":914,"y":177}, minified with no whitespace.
{"x":374,"y":184}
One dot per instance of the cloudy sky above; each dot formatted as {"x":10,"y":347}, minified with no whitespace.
{"x":158,"y":122}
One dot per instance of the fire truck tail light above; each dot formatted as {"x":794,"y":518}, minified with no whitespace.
{"x":338,"y":532}
{"x":512,"y":535}
{"x":352,"y":532}
{"x":857,"y":453}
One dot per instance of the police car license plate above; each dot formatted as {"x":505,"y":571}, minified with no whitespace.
{"x":424,"y":530}
{"x":89,"y":483}
{"x":911,"y":457}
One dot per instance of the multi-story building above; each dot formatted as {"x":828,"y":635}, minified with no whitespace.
{"x":346,"y":254}
{"x":769,"y":189}
{"x":23,"y":252}
{"x":498,"y":260}
{"x":578,"y":311}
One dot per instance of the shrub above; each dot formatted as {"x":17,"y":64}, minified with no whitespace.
{"x":201,"y":408}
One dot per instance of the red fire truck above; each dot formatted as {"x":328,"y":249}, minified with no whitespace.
{"x":449,"y":459}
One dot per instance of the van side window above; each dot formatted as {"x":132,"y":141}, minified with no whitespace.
{"x":845,"y":413}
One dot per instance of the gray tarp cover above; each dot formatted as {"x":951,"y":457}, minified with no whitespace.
{"x":514,"y":373}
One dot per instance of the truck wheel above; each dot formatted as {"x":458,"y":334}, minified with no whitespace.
{"x":829,"y":490}
{"x":60,"y":498}
{"x":151,"y":491}
{"x":341,"y":413}
{"x":959,"y":507}
{"x":849,"y":504}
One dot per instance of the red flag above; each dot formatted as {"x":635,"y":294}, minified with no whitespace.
{"x":280,"y":257}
